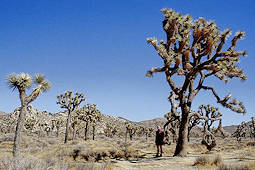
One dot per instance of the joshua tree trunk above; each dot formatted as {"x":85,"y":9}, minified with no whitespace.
{"x":17,"y":137}
{"x":86,"y":131}
{"x":20,"y":124}
{"x":67,"y":126}
{"x":93,"y":132}
{"x":183,"y":133}
{"x":74,"y":131}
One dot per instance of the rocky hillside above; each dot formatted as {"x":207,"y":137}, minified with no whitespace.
{"x":37,"y":121}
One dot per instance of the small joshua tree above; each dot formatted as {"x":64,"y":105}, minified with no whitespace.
{"x":131,"y":129}
{"x":252,"y":128}
{"x":75,"y":123}
{"x":30,"y":124}
{"x":194,"y":51}
{"x":89,"y":114}
{"x":110,"y":129}
{"x":208,"y":115}
{"x":172,"y":125}
{"x":57,"y":123}
{"x":23,"y":82}
{"x":193,"y":122}
{"x":70,"y":103}
{"x":144,"y":130}
{"x":96,"y":118}
{"x":240,"y":132}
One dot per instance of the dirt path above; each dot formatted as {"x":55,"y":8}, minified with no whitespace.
{"x":159,"y":163}
{"x":150,"y":162}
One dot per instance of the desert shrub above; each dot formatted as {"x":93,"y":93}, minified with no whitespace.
{"x":217,"y":160}
{"x":25,"y":163}
{"x":251,"y":144}
{"x":208,"y":161}
{"x":202,"y":160}
{"x":234,"y":167}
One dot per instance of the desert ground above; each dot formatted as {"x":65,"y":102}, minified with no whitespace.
{"x":112,"y":153}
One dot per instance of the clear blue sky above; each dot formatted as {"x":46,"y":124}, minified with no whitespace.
{"x":99,"y":48}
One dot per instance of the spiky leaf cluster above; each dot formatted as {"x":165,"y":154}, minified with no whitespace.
{"x":24,"y":81}
{"x":70,"y":102}
{"x":89,"y":113}
{"x":21,"y":81}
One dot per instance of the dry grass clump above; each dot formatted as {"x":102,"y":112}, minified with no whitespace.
{"x":234,"y":167}
{"x":24,"y":163}
{"x":99,"y":150}
{"x":105,"y":150}
{"x":251,"y":143}
{"x":207,"y":161}
{"x":29,"y":163}
{"x":197,"y":148}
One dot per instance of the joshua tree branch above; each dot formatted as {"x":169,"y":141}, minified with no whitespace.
{"x":231,"y":105}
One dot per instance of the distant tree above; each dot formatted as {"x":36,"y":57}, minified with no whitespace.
{"x":23,"y":82}
{"x":131,"y":129}
{"x":252,"y":128}
{"x":172,"y":125}
{"x":70,"y":103}
{"x":57,"y":123}
{"x":240,"y":132}
{"x":208,"y":115}
{"x":110,"y":129}
{"x":30,"y":124}
{"x":194,"y":120}
{"x":194,"y":52}
{"x":74,"y":124}
{"x":96,"y":118}
{"x":144,"y":131}
{"x":89,"y":114}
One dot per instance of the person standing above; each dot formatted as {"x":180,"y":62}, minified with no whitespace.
{"x":159,"y":140}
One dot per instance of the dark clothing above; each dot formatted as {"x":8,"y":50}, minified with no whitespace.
{"x":159,"y":138}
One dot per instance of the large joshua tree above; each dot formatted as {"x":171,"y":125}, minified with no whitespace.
{"x":194,"y":51}
{"x":70,"y":103}
{"x":23,"y":82}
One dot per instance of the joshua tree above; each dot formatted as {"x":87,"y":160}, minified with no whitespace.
{"x":23,"y":82}
{"x":74,"y":124}
{"x":131,"y":129}
{"x":144,"y":130}
{"x":89,"y":114}
{"x":97,"y":116}
{"x":57,"y":123}
{"x":30,"y":124}
{"x":42,"y":127}
{"x":194,"y":120}
{"x":110,"y":129}
{"x":47,"y":129}
{"x":252,"y":128}
{"x":70,"y":103}
{"x":208,"y":115}
{"x":172,"y":125}
{"x":240,"y":132}
{"x":7,"y":124}
{"x":194,"y":51}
